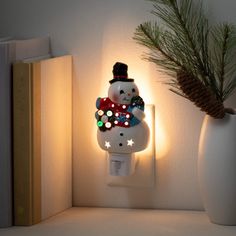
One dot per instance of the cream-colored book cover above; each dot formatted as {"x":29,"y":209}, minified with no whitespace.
{"x":42,"y":139}
{"x":10,"y":51}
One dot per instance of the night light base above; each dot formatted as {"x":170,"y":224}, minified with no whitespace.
{"x":121,"y":164}
{"x":145,"y":163}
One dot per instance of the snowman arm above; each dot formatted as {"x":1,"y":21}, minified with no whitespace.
{"x":96,"y":116}
{"x":138,"y":113}
{"x":98,"y":102}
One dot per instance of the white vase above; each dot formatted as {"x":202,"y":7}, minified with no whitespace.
{"x":217,"y":168}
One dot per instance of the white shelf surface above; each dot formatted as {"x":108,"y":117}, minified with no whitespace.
{"x":123,"y":222}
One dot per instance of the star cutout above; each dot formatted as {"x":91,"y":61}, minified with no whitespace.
{"x":130,"y":142}
{"x":107,"y":144}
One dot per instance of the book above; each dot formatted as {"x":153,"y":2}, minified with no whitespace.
{"x":10,"y":51}
{"x":42,"y":108}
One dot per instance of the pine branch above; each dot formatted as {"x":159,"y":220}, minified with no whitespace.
{"x":189,"y":38}
{"x":178,"y":93}
{"x":153,"y":37}
{"x":229,"y":89}
{"x":187,"y":43}
{"x":144,"y":36}
{"x":223,"y":58}
{"x":223,"y":54}
{"x":176,"y":16}
{"x":165,"y":50}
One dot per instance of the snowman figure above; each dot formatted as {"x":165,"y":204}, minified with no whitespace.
{"x":121,"y":128}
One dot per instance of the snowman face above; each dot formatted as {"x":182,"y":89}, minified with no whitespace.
{"x":122,"y":92}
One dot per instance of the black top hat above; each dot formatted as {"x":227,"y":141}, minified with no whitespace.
{"x":120,"y":73}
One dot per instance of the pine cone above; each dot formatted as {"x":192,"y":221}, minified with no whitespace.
{"x":200,"y":95}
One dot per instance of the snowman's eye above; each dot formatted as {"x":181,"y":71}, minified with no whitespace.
{"x":133,"y":90}
{"x":122,"y":91}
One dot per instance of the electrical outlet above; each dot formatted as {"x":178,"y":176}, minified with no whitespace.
{"x":144,"y":175}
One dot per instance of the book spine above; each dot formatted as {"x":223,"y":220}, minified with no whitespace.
{"x":5,"y":139}
{"x":26,"y":152}
{"x":36,"y":142}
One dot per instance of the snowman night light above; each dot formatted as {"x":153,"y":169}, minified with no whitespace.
{"x":122,"y":130}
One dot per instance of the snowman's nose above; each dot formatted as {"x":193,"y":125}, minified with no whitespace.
{"x":128,"y":94}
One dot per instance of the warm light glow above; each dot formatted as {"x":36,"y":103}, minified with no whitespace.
{"x":162,"y":142}
{"x":149,"y":118}
{"x":124,"y":106}
{"x":158,"y":142}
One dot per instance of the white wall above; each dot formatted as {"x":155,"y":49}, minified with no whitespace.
{"x":99,"y":33}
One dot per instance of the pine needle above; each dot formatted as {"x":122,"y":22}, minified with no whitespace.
{"x":184,"y":40}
